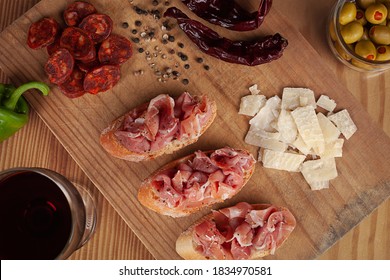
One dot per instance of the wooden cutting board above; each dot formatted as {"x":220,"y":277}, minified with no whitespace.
{"x":323,"y":217}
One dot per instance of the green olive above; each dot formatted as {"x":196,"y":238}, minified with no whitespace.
{"x":387,"y":4}
{"x":341,"y":51}
{"x":347,"y":13}
{"x":383,"y":53}
{"x":376,"y":13}
{"x":380,"y":34}
{"x":352,"y":32}
{"x":366,"y":49}
{"x":360,"y":17}
{"x":365,"y":3}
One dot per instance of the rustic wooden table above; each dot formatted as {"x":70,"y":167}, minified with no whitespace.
{"x":35,"y":145}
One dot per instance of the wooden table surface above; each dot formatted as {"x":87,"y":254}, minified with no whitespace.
{"x":35,"y":145}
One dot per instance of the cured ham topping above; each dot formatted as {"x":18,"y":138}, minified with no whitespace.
{"x":236,"y":232}
{"x":151,"y":126}
{"x":199,"y":181}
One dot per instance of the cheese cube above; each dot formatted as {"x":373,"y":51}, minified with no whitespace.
{"x":256,"y":139}
{"x":267,"y":114}
{"x":319,"y":170}
{"x":333,"y":149}
{"x":287,"y":127}
{"x":329,"y":130}
{"x":309,"y":128}
{"x":301,"y":146}
{"x":344,"y":123}
{"x":282,"y":160}
{"x":293,"y":98}
{"x":316,"y":186}
{"x":251,"y":104}
{"x":325,"y":102}
{"x":254,"y":90}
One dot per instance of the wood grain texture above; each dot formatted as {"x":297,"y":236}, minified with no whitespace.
{"x":357,"y":238}
{"x":35,"y":145}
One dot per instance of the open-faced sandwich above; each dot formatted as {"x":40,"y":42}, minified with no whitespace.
{"x":161,"y":126}
{"x":201,"y":179}
{"x":243,"y":231}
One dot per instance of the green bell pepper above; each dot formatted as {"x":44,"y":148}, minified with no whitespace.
{"x":14,"y":108}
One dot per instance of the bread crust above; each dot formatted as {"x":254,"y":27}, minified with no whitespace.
{"x":185,"y":245}
{"x":111,"y":144}
{"x":148,"y":197}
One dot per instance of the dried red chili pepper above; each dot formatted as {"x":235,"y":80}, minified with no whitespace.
{"x":242,"y":52}
{"x":228,"y":14}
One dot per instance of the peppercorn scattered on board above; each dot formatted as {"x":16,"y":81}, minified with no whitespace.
{"x":323,"y":217}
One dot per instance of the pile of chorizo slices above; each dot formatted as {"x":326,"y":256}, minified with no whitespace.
{"x":85,"y":56}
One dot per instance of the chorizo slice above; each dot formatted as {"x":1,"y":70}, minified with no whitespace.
{"x":102,"y":78}
{"x":98,"y":27}
{"x":74,"y":86}
{"x":53,"y":47}
{"x":88,"y":66}
{"x":78,"y":43}
{"x":76,"y":11}
{"x":42,"y":33}
{"x":115,"y":50}
{"x":59,"y":66}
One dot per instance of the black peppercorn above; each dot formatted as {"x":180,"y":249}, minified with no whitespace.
{"x":125,"y":25}
{"x":185,"y":81}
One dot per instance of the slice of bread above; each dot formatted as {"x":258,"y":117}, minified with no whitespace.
{"x":111,"y":144}
{"x":186,"y":247}
{"x":149,"y":197}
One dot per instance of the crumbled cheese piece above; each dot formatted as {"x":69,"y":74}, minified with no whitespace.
{"x":329,"y":130}
{"x":309,"y":128}
{"x":267,"y":114}
{"x":251,"y":104}
{"x":293,"y":98}
{"x":265,"y":139}
{"x":333,"y":149}
{"x":254,"y":90}
{"x":293,"y":137}
{"x":344,"y":123}
{"x":287,"y":127}
{"x":319,"y":170}
{"x":282,"y":160}
{"x":301,"y":146}
{"x":316,"y":186}
{"x":325,"y":102}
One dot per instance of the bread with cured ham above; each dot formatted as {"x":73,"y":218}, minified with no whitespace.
{"x":201,"y":179}
{"x":241,"y":232}
{"x":161,"y":126}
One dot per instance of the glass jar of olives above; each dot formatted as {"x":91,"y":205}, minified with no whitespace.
{"x":358,"y":33}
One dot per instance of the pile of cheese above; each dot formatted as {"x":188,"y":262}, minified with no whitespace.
{"x":293,"y":136}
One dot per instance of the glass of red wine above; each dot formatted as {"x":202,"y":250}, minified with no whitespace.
{"x":43,"y":215}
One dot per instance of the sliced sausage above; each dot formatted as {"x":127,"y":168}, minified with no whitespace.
{"x":115,"y":50}
{"x":88,"y":66}
{"x":98,"y":27}
{"x":42,"y":33}
{"x":102,"y":78}
{"x":78,"y":43}
{"x":74,"y":86}
{"x":53,"y":47}
{"x":59,"y":66}
{"x":76,"y":11}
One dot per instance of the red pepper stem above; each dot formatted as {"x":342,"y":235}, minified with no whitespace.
{"x":10,"y":104}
